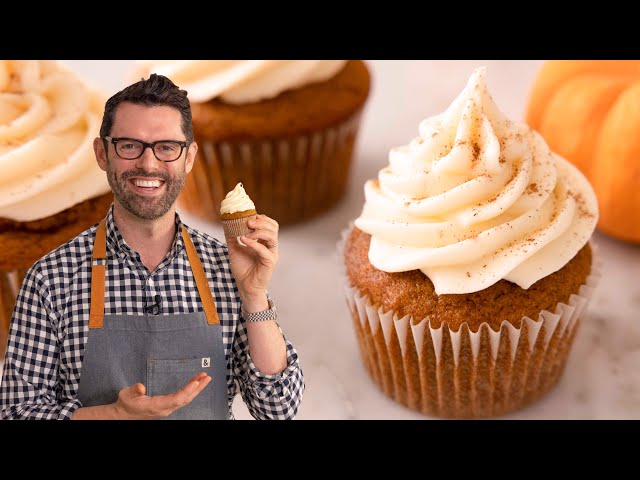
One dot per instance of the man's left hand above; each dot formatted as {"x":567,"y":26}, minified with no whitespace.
{"x":253,"y":265}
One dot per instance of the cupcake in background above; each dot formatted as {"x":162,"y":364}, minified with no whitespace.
{"x":469,"y":266}
{"x":235,"y":211}
{"x":285,"y":128}
{"x":51,"y":187}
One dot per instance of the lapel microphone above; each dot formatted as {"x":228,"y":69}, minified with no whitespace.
{"x":154,"y":308}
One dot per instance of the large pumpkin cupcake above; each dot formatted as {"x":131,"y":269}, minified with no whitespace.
{"x":285,"y":128}
{"x":470,"y":266}
{"x":51,"y":187}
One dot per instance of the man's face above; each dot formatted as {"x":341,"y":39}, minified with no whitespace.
{"x":146,"y":187}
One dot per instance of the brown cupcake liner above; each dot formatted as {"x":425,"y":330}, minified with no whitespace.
{"x":465,"y":374}
{"x":291,"y":179}
{"x":237,"y":226}
{"x":10,"y":283}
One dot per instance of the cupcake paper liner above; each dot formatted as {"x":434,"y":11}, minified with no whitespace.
{"x":10,"y":283}
{"x":292,"y":179}
{"x":237,"y":226}
{"x":465,"y":374}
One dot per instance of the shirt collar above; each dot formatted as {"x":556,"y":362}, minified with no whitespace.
{"x":117,"y":244}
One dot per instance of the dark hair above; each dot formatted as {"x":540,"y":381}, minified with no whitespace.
{"x":156,"y":90}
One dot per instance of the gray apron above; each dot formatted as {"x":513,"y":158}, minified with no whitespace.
{"x":162,"y":352}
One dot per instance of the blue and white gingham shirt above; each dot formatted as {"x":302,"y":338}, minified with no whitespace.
{"x":50,"y":326}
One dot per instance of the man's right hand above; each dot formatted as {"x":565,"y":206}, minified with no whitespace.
{"x":133,"y":404}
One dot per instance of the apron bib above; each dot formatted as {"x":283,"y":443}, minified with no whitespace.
{"x":162,"y":352}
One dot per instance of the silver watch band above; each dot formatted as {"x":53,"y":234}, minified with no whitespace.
{"x":264,"y":315}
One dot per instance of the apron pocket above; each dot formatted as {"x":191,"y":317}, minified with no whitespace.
{"x":165,"y":377}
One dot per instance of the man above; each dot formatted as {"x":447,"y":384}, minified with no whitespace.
{"x":142,"y":317}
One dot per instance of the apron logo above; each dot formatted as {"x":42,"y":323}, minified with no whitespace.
{"x":206,"y":362}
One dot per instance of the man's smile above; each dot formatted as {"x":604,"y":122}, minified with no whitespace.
{"x":146,"y":186}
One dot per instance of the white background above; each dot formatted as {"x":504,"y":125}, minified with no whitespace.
{"x":601,"y":379}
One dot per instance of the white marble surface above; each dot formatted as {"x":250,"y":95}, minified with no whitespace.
{"x":602,"y":379}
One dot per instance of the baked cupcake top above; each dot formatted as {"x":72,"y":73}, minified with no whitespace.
{"x":235,"y":201}
{"x":48,"y":120}
{"x":476,"y":198}
{"x":241,"y":81}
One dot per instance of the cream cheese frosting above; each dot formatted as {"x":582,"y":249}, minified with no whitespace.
{"x":236,"y":200}
{"x":241,"y":81}
{"x":476,"y":198}
{"x":48,"y":120}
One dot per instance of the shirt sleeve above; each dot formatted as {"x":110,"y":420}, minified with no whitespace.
{"x":268,"y":397}
{"x":33,"y":384}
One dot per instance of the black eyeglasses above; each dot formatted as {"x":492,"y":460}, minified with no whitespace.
{"x":164,"y":150}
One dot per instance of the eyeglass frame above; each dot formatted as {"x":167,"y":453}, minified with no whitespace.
{"x":145,"y":145}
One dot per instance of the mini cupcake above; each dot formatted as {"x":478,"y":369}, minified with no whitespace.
{"x":51,"y":187}
{"x":286,"y":128}
{"x":235,"y":211}
{"x":469,"y":266}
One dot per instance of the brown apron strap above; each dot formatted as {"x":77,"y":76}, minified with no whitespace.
{"x":98,"y":266}
{"x":201,"y":280}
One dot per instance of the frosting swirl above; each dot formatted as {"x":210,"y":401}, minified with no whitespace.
{"x":48,"y":120}
{"x":241,"y":81}
{"x":236,"y":200}
{"x":476,"y":198}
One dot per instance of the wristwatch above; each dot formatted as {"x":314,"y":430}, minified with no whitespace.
{"x":269,"y":314}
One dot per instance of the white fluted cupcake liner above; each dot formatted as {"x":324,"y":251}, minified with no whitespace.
{"x":290,"y":179}
{"x":465,"y":374}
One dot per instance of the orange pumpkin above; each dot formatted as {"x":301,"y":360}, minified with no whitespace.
{"x":588,"y":111}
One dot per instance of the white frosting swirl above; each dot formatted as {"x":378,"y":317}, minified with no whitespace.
{"x":241,"y":81}
{"x":235,"y":201}
{"x":48,"y":120}
{"x":476,"y":198}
